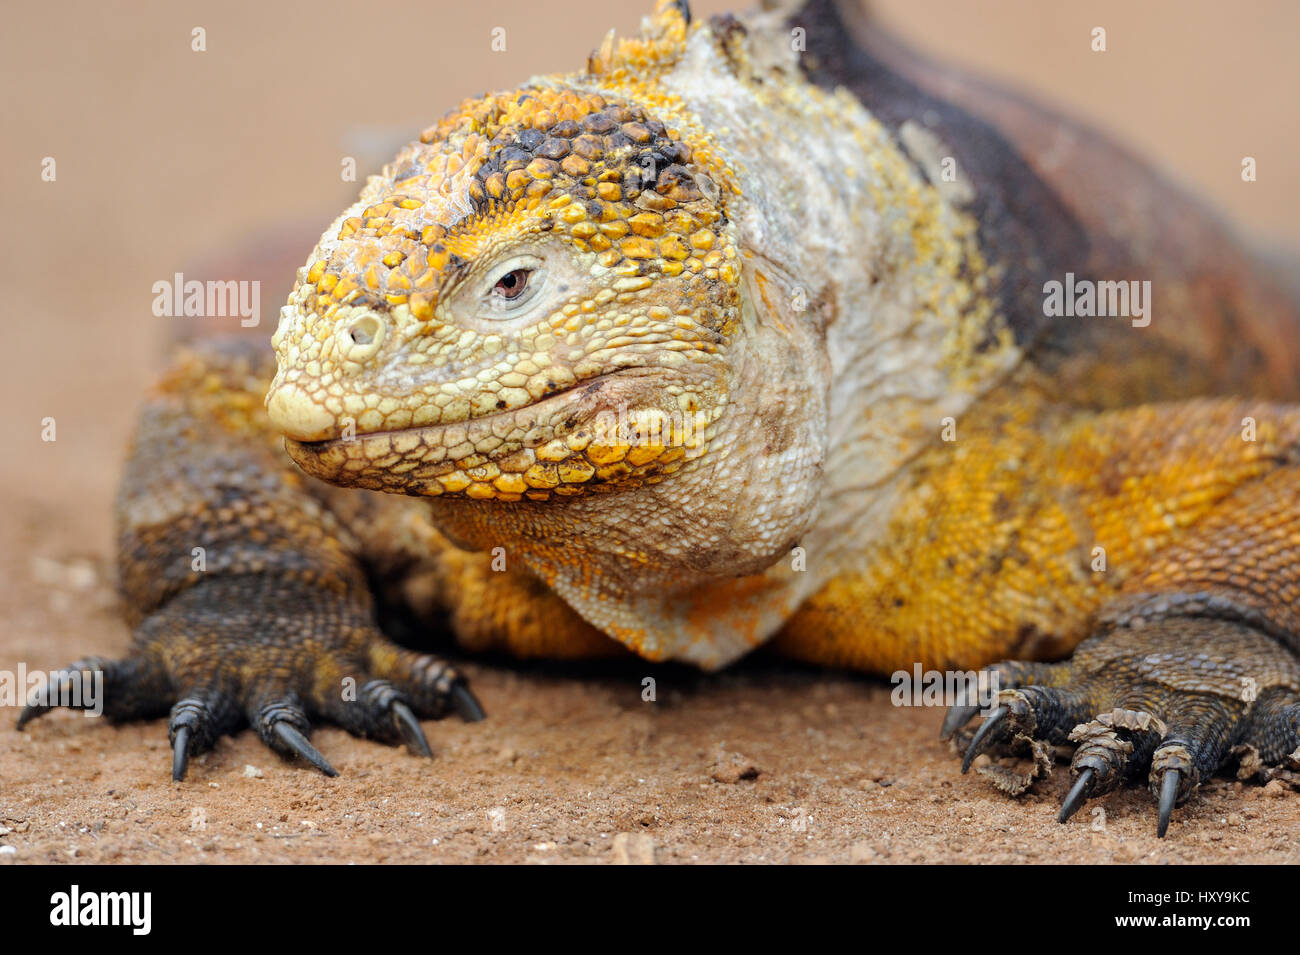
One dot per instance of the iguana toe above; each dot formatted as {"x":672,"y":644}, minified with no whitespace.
{"x":1167,"y":704}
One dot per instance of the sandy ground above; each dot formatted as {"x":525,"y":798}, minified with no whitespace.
{"x":757,"y":765}
{"x":226,"y":163}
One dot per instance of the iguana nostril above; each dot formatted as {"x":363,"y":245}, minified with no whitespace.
{"x":361,"y":337}
{"x":364,"y":331}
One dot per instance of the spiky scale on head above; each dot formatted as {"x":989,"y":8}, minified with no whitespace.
{"x":612,"y":179}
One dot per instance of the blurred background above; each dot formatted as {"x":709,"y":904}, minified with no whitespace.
{"x":226,"y":163}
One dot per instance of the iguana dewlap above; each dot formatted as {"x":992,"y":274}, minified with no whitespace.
{"x":737,"y":336}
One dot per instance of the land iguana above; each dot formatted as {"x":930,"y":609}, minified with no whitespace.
{"x":739,"y":337}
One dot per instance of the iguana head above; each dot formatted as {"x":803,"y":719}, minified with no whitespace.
{"x":536,"y":299}
{"x":648,"y":326}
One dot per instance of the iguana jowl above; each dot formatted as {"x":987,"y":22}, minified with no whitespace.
{"x":678,"y":338}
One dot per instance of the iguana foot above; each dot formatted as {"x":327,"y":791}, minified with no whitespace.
{"x":1170,"y":701}
{"x":271,"y":653}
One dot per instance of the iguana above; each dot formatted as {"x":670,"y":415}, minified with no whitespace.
{"x":741,"y":336}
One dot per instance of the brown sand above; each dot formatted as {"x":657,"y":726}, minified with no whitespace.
{"x":757,"y":765}
{"x":174,"y":161}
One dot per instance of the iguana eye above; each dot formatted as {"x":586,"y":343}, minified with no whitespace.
{"x":511,"y":285}
{"x":510,"y":289}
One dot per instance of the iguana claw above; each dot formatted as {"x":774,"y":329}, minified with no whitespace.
{"x":1168,"y":795}
{"x":984,"y":737}
{"x":1077,"y":795}
{"x":291,"y":738}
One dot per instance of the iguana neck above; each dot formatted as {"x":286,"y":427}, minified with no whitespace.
{"x":864,"y":327}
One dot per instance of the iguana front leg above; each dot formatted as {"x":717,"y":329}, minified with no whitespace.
{"x":1160,"y":543}
{"x":1167,"y":704}
{"x":1196,"y":662}
{"x":249,"y":600}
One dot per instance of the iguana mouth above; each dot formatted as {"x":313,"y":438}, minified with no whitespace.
{"x":437,"y":433}
{"x":554,"y":445}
